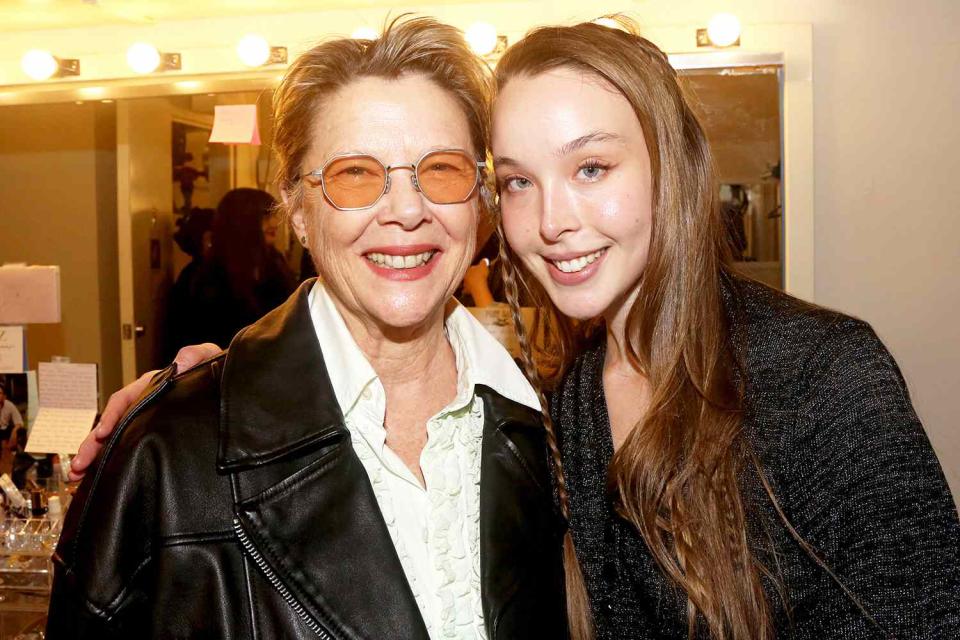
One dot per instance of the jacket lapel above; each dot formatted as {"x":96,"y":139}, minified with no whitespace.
{"x":520,"y":528}
{"x":303,"y":497}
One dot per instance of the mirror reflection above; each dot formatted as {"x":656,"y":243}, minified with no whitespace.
{"x":145,"y":171}
{"x":740,"y":111}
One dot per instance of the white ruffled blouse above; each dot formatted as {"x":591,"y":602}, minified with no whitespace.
{"x":436,"y":530}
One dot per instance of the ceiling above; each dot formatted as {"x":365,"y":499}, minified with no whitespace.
{"x":26,"y":15}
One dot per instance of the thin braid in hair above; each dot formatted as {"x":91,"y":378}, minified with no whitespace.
{"x":578,"y":601}
{"x":530,"y":368}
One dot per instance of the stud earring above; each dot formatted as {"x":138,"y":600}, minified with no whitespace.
{"x":303,"y":240}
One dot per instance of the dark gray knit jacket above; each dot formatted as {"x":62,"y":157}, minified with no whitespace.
{"x":828,"y":414}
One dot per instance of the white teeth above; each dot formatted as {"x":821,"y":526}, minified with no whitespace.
{"x":400,"y":262}
{"x":577,"y":264}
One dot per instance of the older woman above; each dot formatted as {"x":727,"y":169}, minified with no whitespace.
{"x":364,"y":461}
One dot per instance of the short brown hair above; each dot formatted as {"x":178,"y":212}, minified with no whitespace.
{"x":408,"y":45}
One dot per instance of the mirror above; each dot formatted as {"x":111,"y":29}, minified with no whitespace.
{"x":739,"y":109}
{"x":171,"y":210}
{"x":114,"y":164}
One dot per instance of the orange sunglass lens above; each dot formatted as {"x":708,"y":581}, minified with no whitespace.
{"x":446,"y":177}
{"x":353,"y":181}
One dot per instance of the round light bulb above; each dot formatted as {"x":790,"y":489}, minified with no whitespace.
{"x":254,"y":50}
{"x":364,"y":33}
{"x":143,"y":57}
{"x":38,"y":64}
{"x":723,"y":29}
{"x":482,"y":38}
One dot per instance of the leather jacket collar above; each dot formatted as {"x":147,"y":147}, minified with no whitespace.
{"x":304,"y":500}
{"x":275,"y":394}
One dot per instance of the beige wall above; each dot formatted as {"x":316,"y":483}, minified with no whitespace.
{"x":888,"y":196}
{"x":57,"y":206}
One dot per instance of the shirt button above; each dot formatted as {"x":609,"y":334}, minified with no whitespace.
{"x":366,"y":394}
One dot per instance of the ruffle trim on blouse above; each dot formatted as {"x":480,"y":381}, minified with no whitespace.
{"x":452,"y":466}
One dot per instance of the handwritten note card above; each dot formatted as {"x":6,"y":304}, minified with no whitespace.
{"x":235,"y":124}
{"x":11,"y":350}
{"x":68,"y":407}
{"x":60,"y":430}
{"x":65,"y":385}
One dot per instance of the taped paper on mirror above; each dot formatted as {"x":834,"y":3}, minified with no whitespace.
{"x":68,"y":407}
{"x":60,"y":430}
{"x":235,"y":124}
{"x":29,"y":294}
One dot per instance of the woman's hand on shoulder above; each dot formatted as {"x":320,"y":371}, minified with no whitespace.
{"x":120,"y":402}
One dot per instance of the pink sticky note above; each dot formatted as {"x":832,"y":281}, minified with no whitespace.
{"x":235,"y":124}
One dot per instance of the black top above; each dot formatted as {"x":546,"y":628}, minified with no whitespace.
{"x":206,"y":306}
{"x":828,"y":414}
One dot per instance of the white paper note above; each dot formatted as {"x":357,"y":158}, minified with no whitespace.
{"x":235,"y":124}
{"x":68,"y":386}
{"x":60,"y":430}
{"x":11,"y":349}
{"x":29,"y":294}
{"x":68,"y":407}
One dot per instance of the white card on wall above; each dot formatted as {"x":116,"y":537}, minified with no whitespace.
{"x":29,"y":294}
{"x":12,"y":349}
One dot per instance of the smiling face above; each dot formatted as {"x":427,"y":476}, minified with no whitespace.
{"x":397,"y":263}
{"x":575,"y":188}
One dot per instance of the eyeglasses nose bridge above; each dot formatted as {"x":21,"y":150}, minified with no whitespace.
{"x":413,"y":176}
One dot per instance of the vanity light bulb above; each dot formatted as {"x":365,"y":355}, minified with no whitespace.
{"x":723,"y":29}
{"x":143,"y":57}
{"x":254,"y":50}
{"x":39,"y":65}
{"x":364,"y":33}
{"x":482,"y":38}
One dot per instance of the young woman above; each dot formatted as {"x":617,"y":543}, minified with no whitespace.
{"x":738,"y":464}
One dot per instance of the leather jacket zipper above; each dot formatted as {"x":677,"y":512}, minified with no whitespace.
{"x":277,"y":584}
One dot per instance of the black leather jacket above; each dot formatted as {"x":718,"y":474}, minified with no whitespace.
{"x":230,"y":504}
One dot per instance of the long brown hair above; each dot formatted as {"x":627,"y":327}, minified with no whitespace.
{"x":408,"y":45}
{"x":238,"y":247}
{"x":678,"y":473}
